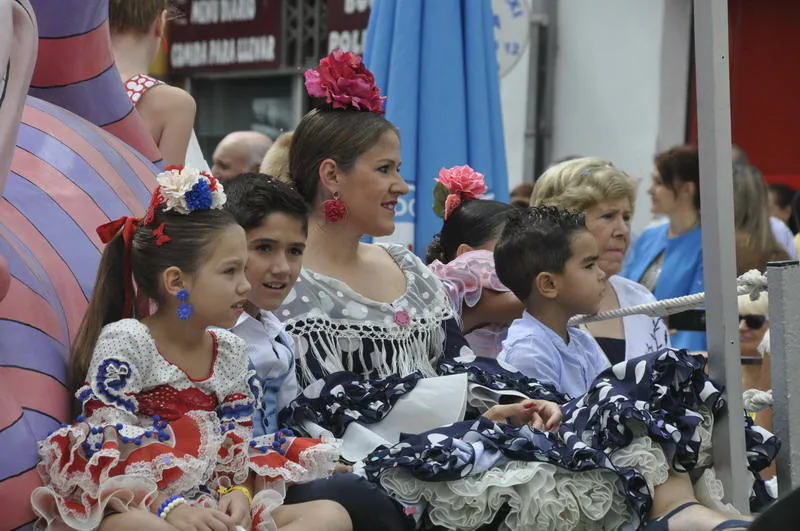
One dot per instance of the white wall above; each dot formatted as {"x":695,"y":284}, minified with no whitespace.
{"x":620,"y":86}
{"x":514,"y":96}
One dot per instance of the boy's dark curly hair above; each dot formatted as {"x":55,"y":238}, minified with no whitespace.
{"x":534,"y":240}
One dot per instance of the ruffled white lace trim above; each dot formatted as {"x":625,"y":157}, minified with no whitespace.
{"x":314,"y":462}
{"x":704,"y":430}
{"x":541,"y":495}
{"x":115,"y":466}
{"x":62,"y":455}
{"x":647,"y":457}
{"x":119,"y":494}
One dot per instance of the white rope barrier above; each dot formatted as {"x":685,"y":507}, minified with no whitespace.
{"x":756,"y":400}
{"x":753,"y":283}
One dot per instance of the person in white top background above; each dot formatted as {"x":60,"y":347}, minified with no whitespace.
{"x":137,"y":31}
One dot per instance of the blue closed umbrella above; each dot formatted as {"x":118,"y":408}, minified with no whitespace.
{"x":435,"y":60}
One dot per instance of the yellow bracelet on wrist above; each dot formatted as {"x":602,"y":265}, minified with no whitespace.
{"x":244,"y":490}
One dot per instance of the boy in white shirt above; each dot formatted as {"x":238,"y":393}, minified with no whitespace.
{"x":548,"y":259}
{"x":275,"y":219}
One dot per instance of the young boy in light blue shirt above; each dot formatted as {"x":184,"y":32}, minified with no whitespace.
{"x":275,"y":219}
{"x":548,"y":259}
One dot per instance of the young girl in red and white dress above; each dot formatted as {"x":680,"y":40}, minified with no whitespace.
{"x":165,"y":435}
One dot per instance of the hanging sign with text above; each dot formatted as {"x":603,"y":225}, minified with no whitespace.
{"x":225,"y":35}
{"x":347,"y":25}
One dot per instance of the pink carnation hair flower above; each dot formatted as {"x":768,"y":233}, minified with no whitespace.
{"x":344,"y":82}
{"x":462,"y":184}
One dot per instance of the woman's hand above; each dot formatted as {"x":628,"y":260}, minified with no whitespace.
{"x":540,"y":414}
{"x":236,"y":505}
{"x":186,"y":518}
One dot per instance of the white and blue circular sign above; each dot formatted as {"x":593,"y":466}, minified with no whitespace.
{"x":511,"y":32}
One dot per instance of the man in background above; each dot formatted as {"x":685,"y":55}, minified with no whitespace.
{"x":239,"y":152}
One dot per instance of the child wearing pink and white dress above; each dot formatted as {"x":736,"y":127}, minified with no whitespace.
{"x":463,"y":259}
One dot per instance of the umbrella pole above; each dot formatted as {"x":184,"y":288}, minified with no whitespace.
{"x":719,"y":260}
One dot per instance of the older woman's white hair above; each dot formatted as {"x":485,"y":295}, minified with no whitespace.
{"x":760,"y":306}
{"x":578,"y":184}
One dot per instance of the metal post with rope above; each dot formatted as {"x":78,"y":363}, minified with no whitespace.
{"x":719,"y":255}
{"x":784,"y":332}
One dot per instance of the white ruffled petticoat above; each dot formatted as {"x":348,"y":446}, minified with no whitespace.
{"x":545,"y":496}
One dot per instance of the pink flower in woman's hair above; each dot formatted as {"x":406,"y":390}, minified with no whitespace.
{"x":463,"y":180}
{"x":343,"y":80}
{"x":452,"y":202}
{"x":462,"y":184}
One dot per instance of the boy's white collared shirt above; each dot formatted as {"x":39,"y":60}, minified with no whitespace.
{"x":539,"y":352}
{"x":271,"y":356}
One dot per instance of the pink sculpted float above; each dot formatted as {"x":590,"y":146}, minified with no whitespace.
{"x":73,"y":155}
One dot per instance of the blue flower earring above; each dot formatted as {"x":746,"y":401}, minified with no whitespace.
{"x":184,"y":308}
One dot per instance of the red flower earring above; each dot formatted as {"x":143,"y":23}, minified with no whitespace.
{"x":335,"y":209}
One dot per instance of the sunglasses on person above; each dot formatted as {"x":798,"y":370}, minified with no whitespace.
{"x":753,"y":322}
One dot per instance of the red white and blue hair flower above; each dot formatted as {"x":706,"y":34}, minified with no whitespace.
{"x":185,"y":190}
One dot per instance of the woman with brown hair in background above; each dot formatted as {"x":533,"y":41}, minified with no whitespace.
{"x":755,"y":240}
{"x":668,"y":258}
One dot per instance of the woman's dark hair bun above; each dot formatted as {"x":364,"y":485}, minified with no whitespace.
{"x":435,"y":251}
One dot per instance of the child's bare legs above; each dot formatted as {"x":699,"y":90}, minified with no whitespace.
{"x":319,"y":515}
{"x":676,"y":491}
{"x":134,"y":521}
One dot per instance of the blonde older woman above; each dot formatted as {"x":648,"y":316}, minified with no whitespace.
{"x":606,"y":195}
{"x":754,"y":343}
